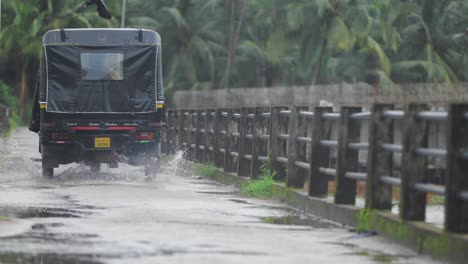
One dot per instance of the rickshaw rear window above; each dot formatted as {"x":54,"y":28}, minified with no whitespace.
{"x":102,"y":66}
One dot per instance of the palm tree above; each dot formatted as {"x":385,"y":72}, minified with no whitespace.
{"x":192,"y":39}
{"x":21,"y":44}
{"x":433,"y":43}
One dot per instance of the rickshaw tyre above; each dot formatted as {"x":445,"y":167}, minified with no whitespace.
{"x":95,"y":168}
{"x":152,"y":169}
{"x":47,"y":172}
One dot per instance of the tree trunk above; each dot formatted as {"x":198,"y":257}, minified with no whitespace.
{"x":233,"y":38}
{"x":319,"y":65}
{"x":24,"y":89}
{"x":326,"y":19}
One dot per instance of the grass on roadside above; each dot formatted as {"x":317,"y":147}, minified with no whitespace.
{"x":263,"y":187}
{"x":208,"y":170}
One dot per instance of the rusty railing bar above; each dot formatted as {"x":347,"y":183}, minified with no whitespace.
{"x":329,"y":143}
{"x":431,"y":152}
{"x":464,"y":195}
{"x":282,"y":160}
{"x":360,"y":176}
{"x":359,"y":145}
{"x":304,"y":139}
{"x":430,"y":188}
{"x":302,"y":165}
{"x":331,"y":116}
{"x":328,"y":171}
{"x":391,"y":180}
{"x":432,"y":115}
{"x":307,"y":114}
{"x":392,"y":147}
{"x":361,"y":116}
{"x":394,"y":114}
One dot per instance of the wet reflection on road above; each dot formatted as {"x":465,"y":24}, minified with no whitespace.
{"x":117,"y":216}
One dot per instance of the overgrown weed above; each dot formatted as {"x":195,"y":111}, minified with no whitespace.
{"x":263,"y":187}
{"x":208,"y":170}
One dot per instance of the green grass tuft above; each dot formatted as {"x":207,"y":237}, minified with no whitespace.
{"x":263,"y":187}
{"x":437,"y":199}
{"x":208,"y":170}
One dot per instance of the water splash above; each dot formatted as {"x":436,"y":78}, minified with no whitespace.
{"x":177,"y":161}
{"x":13,"y":160}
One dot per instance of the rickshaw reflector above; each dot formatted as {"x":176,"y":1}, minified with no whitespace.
{"x":144,"y":136}
{"x":122,"y":128}
{"x":84,"y":128}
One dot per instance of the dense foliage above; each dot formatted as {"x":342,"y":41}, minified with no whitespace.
{"x":211,"y":44}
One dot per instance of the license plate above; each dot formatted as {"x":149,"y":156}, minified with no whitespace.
{"x":102,"y":142}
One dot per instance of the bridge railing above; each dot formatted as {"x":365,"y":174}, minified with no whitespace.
{"x":310,"y":147}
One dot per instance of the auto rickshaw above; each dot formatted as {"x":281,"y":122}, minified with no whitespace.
{"x":99,"y":99}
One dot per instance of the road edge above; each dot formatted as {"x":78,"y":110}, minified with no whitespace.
{"x":424,"y":238}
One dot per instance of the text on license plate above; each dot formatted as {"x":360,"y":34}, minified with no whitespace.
{"x":102,"y":142}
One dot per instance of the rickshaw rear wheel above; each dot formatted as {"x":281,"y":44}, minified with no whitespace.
{"x":47,"y":172}
{"x":152,"y":169}
{"x":95,"y":167}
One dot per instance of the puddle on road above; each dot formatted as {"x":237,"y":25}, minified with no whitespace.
{"x":380,"y":257}
{"x":239,"y":201}
{"x":46,"y":226}
{"x":218,"y":192}
{"x":42,"y":212}
{"x":299,"y":220}
{"x":47,"y":258}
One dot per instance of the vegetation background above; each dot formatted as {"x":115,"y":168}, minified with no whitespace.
{"x":213,"y":44}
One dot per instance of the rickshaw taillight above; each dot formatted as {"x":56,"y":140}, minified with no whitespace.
{"x":144,"y":136}
{"x":59,"y":136}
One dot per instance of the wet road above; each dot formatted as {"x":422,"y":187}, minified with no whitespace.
{"x":116,"y":216}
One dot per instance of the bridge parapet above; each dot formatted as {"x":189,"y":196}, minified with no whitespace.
{"x":311,"y":147}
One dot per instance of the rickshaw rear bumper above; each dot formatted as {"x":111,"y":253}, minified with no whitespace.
{"x":122,"y":148}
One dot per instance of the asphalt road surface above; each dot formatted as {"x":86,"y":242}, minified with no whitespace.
{"x":116,"y":216}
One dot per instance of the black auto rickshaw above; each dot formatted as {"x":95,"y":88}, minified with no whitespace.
{"x":99,"y":98}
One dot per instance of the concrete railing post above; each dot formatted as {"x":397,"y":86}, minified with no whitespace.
{"x":347,"y":159}
{"x":228,"y":159}
{"x":182,"y":137}
{"x":320,"y":155}
{"x":379,"y":161}
{"x":256,"y":145}
{"x":277,"y":146}
{"x":293,"y":177}
{"x":208,"y":151}
{"x":198,"y":137}
{"x":216,"y":143}
{"x":243,"y":164}
{"x":456,"y":208}
{"x":413,"y":166}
